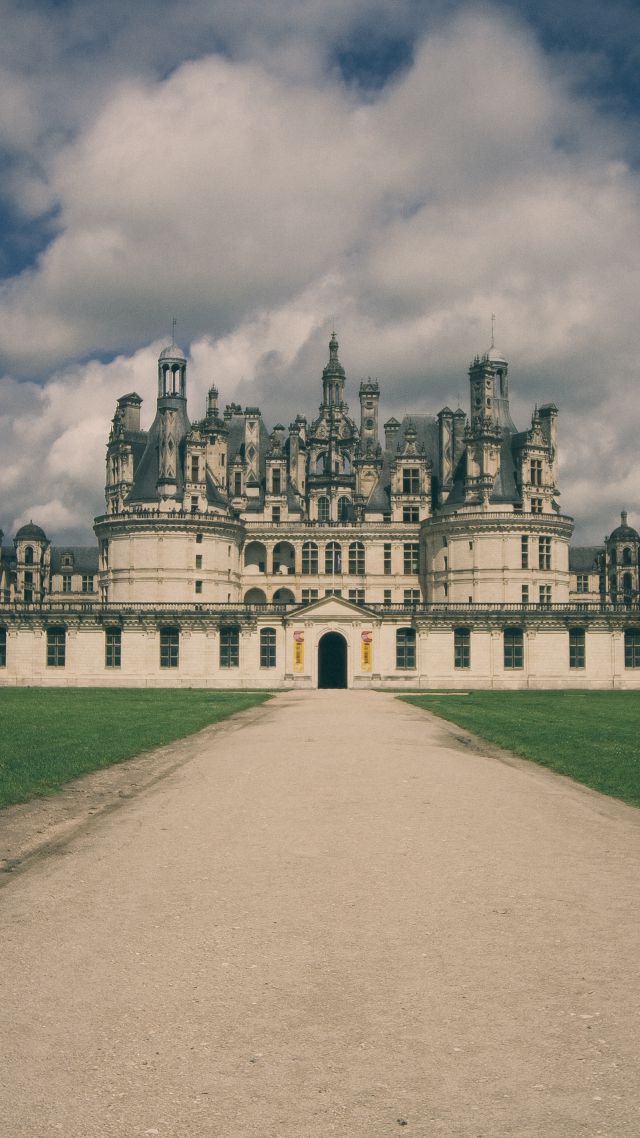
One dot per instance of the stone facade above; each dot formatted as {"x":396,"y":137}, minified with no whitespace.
{"x":230,"y":555}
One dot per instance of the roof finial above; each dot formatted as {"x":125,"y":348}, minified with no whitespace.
{"x":173,"y":329}
{"x":493,"y":329}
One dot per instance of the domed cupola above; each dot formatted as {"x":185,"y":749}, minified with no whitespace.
{"x":172,"y":373}
{"x":31,"y":532}
{"x":622,"y":554}
{"x":624,"y":532}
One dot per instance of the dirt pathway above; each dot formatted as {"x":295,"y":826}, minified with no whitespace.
{"x":333,"y":920}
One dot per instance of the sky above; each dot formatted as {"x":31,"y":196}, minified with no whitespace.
{"x":265,"y":171}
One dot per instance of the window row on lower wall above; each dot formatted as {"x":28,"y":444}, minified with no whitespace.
{"x":513,"y":648}
{"x":229,"y":648}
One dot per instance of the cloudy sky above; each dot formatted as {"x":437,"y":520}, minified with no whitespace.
{"x":263,"y":168}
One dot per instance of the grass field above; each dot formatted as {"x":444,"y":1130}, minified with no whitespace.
{"x":594,"y":737}
{"x":49,"y":736}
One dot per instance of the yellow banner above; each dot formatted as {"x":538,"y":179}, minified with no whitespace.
{"x":298,"y":651}
{"x":366,"y":652}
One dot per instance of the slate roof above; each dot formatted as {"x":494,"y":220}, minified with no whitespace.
{"x":427,"y":437}
{"x":583,"y":558}
{"x":85,"y":558}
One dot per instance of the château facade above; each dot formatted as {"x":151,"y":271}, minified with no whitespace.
{"x":431,"y":552}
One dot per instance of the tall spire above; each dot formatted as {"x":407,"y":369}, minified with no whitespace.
{"x":333,"y":376}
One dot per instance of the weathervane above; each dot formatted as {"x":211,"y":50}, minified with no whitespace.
{"x":173,"y":330}
{"x":493,"y":329}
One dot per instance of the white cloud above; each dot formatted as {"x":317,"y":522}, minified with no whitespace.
{"x":255,"y":201}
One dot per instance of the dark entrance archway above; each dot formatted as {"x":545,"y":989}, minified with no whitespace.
{"x":332,"y":661}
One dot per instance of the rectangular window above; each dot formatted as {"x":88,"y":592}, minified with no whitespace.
{"x":387,"y":597}
{"x":309,"y":558}
{"x":66,"y":582}
{"x":632,"y":647}
{"x":582,"y":583}
{"x":194,"y":504}
{"x":410,"y":514}
{"x":357,"y":596}
{"x":229,"y":647}
{"x":195,"y":468}
{"x":544,"y":553}
{"x":198,"y":586}
{"x":513,"y":648}
{"x":169,"y":647}
{"x":333,"y":592}
{"x":56,"y":647}
{"x":198,"y":539}
{"x":275,"y":515}
{"x":198,"y":561}
{"x":88,"y":583}
{"x":267,"y":647}
{"x":411,"y":597}
{"x":3,"y":647}
{"x":237,"y":484}
{"x":275,"y":481}
{"x":536,"y":472}
{"x":356,"y":558}
{"x":536,"y":505}
{"x":112,"y":647}
{"x":309,"y":595}
{"x":525,"y":594}
{"x":387,"y":557}
{"x":576,"y":648}
{"x":545,"y":595}
{"x":405,"y":648}
{"x":411,"y":556}
{"x":410,"y":480}
{"x":461,"y":648}
{"x":524,"y":552}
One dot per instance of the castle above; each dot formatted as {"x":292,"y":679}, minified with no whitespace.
{"x":326,"y":554}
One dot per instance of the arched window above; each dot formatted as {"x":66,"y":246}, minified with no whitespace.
{"x":627,"y":585}
{"x":283,"y":597}
{"x":255,"y":557}
{"x":626,"y":556}
{"x":513,"y":648}
{"x":323,"y":509}
{"x":309,"y":558}
{"x":255,"y":597}
{"x":333,"y":558}
{"x":344,"y":509}
{"x":356,"y":557}
{"x":405,"y":648}
{"x":267,"y":647}
{"x":632,"y":647}
{"x":28,"y":555}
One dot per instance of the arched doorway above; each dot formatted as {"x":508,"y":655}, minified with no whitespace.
{"x":332,"y":661}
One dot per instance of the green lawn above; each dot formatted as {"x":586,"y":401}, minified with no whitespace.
{"x":51,"y":735}
{"x":594,"y":737}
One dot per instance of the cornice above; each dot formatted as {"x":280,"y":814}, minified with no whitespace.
{"x":496,"y":522}
{"x":124,"y":524}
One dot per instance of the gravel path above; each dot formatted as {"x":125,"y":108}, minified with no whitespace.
{"x":334,"y":919}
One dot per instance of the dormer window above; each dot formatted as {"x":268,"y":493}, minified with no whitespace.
{"x":410,"y":480}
